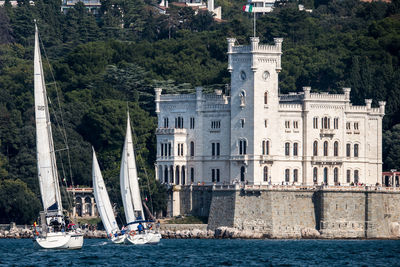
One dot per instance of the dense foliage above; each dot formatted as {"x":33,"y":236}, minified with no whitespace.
{"x":105,"y":63}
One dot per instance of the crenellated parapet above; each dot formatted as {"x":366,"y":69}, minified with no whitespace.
{"x":264,"y":53}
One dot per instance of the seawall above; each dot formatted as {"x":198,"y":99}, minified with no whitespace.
{"x":302,"y":211}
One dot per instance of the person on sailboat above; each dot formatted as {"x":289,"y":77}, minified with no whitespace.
{"x":140,"y":228}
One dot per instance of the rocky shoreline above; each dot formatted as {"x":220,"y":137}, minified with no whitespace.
{"x":185,"y":232}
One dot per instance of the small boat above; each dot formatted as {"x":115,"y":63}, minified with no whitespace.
{"x":104,"y":205}
{"x":131,"y":197}
{"x":51,"y":233}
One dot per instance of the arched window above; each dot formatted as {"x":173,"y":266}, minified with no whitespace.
{"x":348,"y":176}
{"x":295,"y":175}
{"x":315,"y":148}
{"x":295,"y":149}
{"x":192,"y":175}
{"x":160,"y":174}
{"x":242,"y":170}
{"x":192,"y":149}
{"x":266,"y":98}
{"x":348,"y":148}
{"x":265,"y":174}
{"x":356,"y":150}
{"x":171,"y":176}
{"x":336,"y":176}
{"x":183,"y":175}
{"x":79,"y":206}
{"x":242,"y":147}
{"x":166,"y":174}
{"x":287,"y":175}
{"x":356,"y":178}
{"x":336,"y":149}
{"x":177,"y":175}
{"x":287,"y":149}
{"x":326,"y":148}
{"x":315,"y":175}
{"x":263,"y":147}
{"x":326,"y":175}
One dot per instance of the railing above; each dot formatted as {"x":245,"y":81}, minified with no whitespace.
{"x":178,"y":97}
{"x":327,"y":96}
{"x":326,"y":160}
{"x":240,"y":157}
{"x":77,"y":189}
{"x":327,"y":131}
{"x":291,"y":97}
{"x":170,"y":131}
{"x":290,"y":106}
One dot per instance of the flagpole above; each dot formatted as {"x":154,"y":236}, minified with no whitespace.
{"x":254,"y":21}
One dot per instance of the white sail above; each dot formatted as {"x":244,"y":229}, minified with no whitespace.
{"x":129,"y":181}
{"x":102,"y":200}
{"x":47,"y":168}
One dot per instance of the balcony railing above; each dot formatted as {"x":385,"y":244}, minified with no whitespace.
{"x":327,"y":132}
{"x":170,"y":131}
{"x":326,"y":160}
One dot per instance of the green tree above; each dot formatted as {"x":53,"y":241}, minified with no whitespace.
{"x":17,"y":202}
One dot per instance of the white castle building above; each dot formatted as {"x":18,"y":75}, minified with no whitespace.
{"x":258,"y":136}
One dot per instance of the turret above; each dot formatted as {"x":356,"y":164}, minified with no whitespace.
{"x":382,"y":105}
{"x":306,"y":90}
{"x":346,"y":91}
{"x":231,"y":44}
{"x":158,"y":97}
{"x":199,"y":97}
{"x":368,"y":103}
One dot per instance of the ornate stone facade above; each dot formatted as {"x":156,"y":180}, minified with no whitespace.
{"x":85,"y":204}
{"x":255,"y":135}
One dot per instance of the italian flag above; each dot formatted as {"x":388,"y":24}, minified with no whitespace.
{"x":248,"y":8}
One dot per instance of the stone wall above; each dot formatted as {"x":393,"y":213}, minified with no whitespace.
{"x":222,"y":210}
{"x":189,"y":200}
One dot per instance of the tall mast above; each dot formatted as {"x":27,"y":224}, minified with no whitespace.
{"x":47,"y":167}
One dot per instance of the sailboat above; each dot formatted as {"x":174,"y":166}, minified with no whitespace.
{"x":104,"y":205}
{"x":131,"y":196}
{"x":52,"y":233}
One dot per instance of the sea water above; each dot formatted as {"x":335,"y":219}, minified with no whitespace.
{"x":202,"y":252}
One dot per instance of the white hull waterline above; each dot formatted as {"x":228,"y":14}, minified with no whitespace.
{"x":60,"y":240}
{"x":119,"y":239}
{"x":144,"y":239}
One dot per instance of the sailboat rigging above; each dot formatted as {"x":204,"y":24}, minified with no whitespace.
{"x":131,"y":199}
{"x":52,"y":233}
{"x":104,"y":205}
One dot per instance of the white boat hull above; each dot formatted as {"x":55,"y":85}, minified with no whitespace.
{"x":119,"y":240}
{"x":143,"y":239}
{"x":60,"y":240}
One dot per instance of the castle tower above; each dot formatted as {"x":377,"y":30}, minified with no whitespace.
{"x":254,"y":107}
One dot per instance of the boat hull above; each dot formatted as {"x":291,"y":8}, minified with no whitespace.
{"x":119,"y":240}
{"x":60,"y":240}
{"x":143,"y":239}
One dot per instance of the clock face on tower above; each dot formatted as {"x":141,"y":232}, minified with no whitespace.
{"x":265,"y":75}
{"x":243,"y":75}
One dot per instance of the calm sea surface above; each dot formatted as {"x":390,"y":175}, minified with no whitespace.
{"x":99,"y":252}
